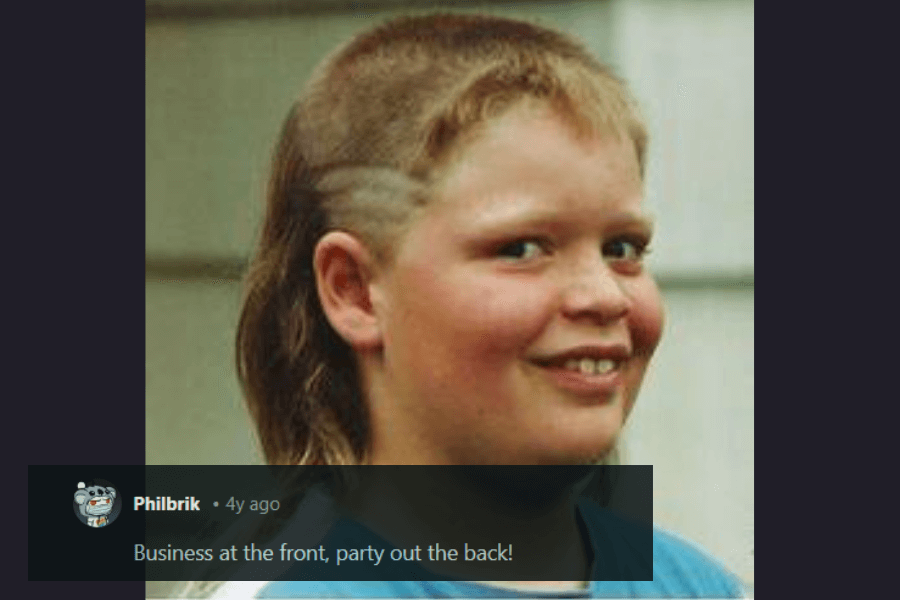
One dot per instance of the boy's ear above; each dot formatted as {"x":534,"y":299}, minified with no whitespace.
{"x":344,"y":270}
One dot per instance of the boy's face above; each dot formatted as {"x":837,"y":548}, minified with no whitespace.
{"x":517,"y":318}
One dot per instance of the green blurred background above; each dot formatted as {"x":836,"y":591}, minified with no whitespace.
{"x":220,"y":77}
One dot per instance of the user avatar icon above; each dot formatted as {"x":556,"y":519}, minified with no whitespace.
{"x":97,"y":505}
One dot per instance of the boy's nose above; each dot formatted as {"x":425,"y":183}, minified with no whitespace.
{"x":596,"y":292}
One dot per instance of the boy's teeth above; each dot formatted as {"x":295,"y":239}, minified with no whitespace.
{"x":589,"y":366}
{"x":604,"y":366}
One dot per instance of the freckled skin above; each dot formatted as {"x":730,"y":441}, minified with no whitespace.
{"x":455,"y":381}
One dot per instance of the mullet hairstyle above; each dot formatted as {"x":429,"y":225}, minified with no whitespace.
{"x":361,"y":151}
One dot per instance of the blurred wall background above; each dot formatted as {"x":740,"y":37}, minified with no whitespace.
{"x":220,"y":77}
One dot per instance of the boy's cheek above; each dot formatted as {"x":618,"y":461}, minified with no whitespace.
{"x":514,"y":308}
{"x":647,"y":319}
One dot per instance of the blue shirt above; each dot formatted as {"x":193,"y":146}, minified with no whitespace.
{"x":680,"y":570}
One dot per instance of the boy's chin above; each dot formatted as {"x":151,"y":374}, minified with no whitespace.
{"x":587,"y":452}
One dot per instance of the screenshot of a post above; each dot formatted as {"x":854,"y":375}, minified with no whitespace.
{"x":340,"y":524}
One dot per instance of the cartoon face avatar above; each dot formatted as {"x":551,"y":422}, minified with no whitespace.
{"x":95,"y":503}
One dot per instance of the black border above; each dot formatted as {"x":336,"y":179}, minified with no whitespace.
{"x":79,"y":243}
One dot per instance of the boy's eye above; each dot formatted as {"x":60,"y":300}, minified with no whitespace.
{"x":625,"y":249}
{"x":521,"y":249}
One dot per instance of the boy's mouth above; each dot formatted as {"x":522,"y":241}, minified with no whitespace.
{"x":595,"y":379}
{"x":590,"y":366}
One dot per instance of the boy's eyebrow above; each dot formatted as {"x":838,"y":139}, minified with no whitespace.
{"x":536,"y":217}
{"x":640,"y":220}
